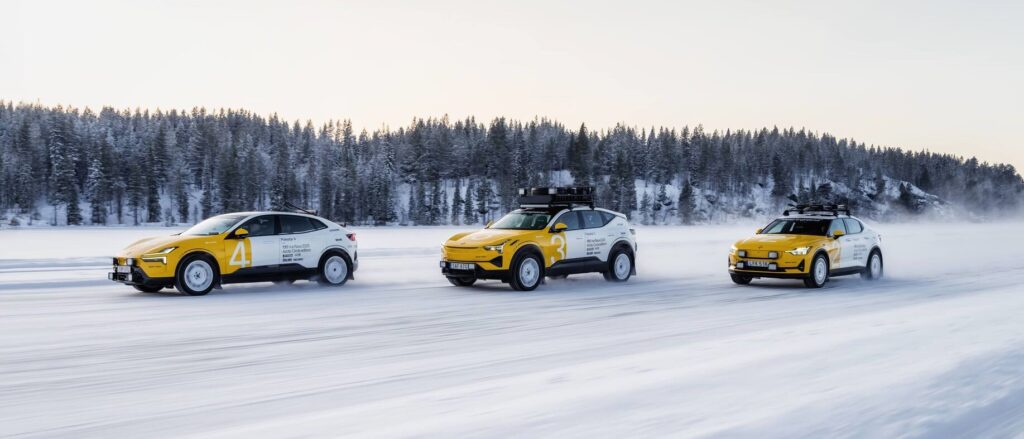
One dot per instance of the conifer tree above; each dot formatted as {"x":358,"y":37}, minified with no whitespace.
{"x":686,"y":204}
{"x":456,"y":204}
{"x":96,"y":192}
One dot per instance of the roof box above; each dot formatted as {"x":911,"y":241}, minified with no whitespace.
{"x":556,"y":196}
{"x":817,"y":209}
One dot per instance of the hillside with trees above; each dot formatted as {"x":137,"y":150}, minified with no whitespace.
{"x":63,"y":165}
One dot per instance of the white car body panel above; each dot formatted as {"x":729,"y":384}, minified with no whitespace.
{"x":305,"y":249}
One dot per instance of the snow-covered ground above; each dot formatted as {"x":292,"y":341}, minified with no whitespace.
{"x":935,"y":350}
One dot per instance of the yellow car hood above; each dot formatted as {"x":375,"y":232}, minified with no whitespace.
{"x":157,"y":243}
{"x":778,"y":242}
{"x":485,"y":237}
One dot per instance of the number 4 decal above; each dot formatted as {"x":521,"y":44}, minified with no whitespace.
{"x":238,"y":257}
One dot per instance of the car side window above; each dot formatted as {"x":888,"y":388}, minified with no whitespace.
{"x":294,"y":224}
{"x":853,"y":226}
{"x":260,"y":226}
{"x":836,"y":225}
{"x":570,"y":219}
{"x":592,"y":219}
{"x":608,"y":217}
{"x":317,"y":224}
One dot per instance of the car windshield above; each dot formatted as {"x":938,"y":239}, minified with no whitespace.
{"x":523,"y":220}
{"x":818,"y":227}
{"x":214,"y":226}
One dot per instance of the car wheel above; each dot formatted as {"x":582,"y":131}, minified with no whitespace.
{"x":334,"y":270}
{"x":819,"y":272}
{"x":875,"y":267}
{"x":620,"y":266}
{"x":527,"y":271}
{"x":462,"y":281}
{"x":740,"y":279}
{"x":146,"y":289}
{"x":196,"y":275}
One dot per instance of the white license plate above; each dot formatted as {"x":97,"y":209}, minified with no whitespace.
{"x":461,"y":266}
{"x":122,"y":269}
{"x":759,"y":264}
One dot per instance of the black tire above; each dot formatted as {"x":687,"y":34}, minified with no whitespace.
{"x":195,"y":286}
{"x":146,"y":289}
{"x":871,"y":271}
{"x":815,"y":279}
{"x":740,"y":279}
{"x":462,"y":281}
{"x":330,"y":273}
{"x":527,"y":270}
{"x":620,"y":265}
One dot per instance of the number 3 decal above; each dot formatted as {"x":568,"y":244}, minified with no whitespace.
{"x":238,"y":257}
{"x":560,"y":241}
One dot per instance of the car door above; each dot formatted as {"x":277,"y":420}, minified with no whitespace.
{"x":596,"y":238}
{"x":259,"y":249}
{"x":574,"y":246}
{"x":858,"y":245}
{"x":297,"y":242}
{"x":842,"y":245}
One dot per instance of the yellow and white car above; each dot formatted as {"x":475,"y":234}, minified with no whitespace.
{"x":809,"y":242}
{"x":555,"y":233}
{"x":240,"y":247}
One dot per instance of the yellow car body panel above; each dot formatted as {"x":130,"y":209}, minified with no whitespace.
{"x":220,"y":247}
{"x":759,"y":246}
{"x":469,"y":247}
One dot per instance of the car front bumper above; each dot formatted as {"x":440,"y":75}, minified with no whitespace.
{"x":135,"y":276}
{"x":479,"y":271}
{"x":777,"y":268}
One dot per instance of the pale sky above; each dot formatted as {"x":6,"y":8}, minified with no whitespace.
{"x":938,"y":75}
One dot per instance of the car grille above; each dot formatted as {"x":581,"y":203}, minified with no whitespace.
{"x":475,"y":254}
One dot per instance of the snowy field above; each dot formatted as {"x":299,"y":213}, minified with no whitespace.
{"x":934,"y":350}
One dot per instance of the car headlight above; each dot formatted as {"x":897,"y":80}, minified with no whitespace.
{"x":495,"y":248}
{"x":799,"y":251}
{"x":732,"y":250}
{"x":159,"y":256}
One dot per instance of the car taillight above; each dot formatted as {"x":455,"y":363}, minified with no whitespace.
{"x":351,"y":237}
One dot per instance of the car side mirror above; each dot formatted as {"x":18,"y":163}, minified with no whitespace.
{"x":241,"y":233}
{"x":758,"y":232}
{"x":559,"y":228}
{"x":838,"y":234}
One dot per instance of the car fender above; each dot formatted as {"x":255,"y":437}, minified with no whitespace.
{"x":828,"y":259}
{"x":201,"y":252}
{"x":344,"y":254}
{"x":626,"y":244}
{"x":530,"y":247}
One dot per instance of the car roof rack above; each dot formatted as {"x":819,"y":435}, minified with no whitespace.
{"x":817,"y":209}
{"x":544,"y":197}
{"x":289,"y":207}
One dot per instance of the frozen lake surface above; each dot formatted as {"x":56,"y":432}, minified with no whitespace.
{"x":934,"y":350}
